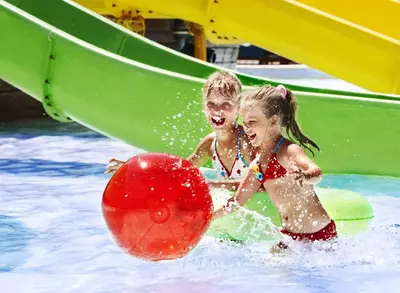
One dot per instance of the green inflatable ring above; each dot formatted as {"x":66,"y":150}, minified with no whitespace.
{"x":351,"y":212}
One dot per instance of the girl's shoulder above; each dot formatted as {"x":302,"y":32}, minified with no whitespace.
{"x":285,"y":145}
{"x":287,"y":148}
{"x":206,"y":144}
{"x":208,"y":139}
{"x":290,"y":151}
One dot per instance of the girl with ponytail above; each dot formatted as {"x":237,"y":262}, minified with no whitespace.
{"x":282,"y":166}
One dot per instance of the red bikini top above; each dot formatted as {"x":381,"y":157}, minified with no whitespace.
{"x":274,"y":168}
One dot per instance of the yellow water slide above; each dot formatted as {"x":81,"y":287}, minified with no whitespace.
{"x":382,"y":16}
{"x":357,"y":42}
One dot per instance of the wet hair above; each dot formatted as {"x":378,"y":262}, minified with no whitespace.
{"x":225,"y":82}
{"x":283,"y":103}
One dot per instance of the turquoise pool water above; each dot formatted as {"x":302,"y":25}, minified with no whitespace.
{"x":53,"y":237}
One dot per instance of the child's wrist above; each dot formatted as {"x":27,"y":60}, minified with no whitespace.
{"x":311,"y":178}
{"x":231,"y":205}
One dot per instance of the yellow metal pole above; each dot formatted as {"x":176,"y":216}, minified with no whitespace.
{"x":200,"y":41}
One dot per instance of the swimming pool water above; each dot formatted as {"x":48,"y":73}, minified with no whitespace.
{"x":53,"y":237}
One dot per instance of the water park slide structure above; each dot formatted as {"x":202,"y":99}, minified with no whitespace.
{"x":160,"y":110}
{"x":378,"y":15}
{"x":292,"y":29}
{"x":92,"y":28}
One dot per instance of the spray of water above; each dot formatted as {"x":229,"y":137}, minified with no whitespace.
{"x":261,"y":225}
{"x":174,"y":129}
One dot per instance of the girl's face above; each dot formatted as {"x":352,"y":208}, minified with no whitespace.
{"x":221,"y":111}
{"x":256,"y":125}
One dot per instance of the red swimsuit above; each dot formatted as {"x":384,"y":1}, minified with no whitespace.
{"x":326,"y":233}
{"x":275,"y":170}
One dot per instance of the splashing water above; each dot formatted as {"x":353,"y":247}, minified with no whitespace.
{"x":55,"y":239}
{"x":262,"y":225}
{"x":176,"y":136}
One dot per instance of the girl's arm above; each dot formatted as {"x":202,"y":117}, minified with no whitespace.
{"x":309,"y":172}
{"x":231,"y":185}
{"x":247,"y":187}
{"x":202,"y":152}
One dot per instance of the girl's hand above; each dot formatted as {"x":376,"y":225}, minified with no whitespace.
{"x":306,"y":177}
{"x":299,"y":176}
{"x":230,"y":206}
{"x":218,"y":213}
{"x":113,"y":166}
{"x":305,"y":170}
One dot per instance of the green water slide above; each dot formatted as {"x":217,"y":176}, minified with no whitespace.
{"x":86,"y":69}
{"x":82,"y":23}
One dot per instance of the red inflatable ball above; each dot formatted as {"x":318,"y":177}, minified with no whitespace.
{"x":157,"y":206}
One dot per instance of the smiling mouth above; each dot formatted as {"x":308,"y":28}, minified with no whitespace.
{"x":218,"y":121}
{"x":252,"y":137}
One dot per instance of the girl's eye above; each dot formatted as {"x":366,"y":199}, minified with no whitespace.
{"x":227,"y":106}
